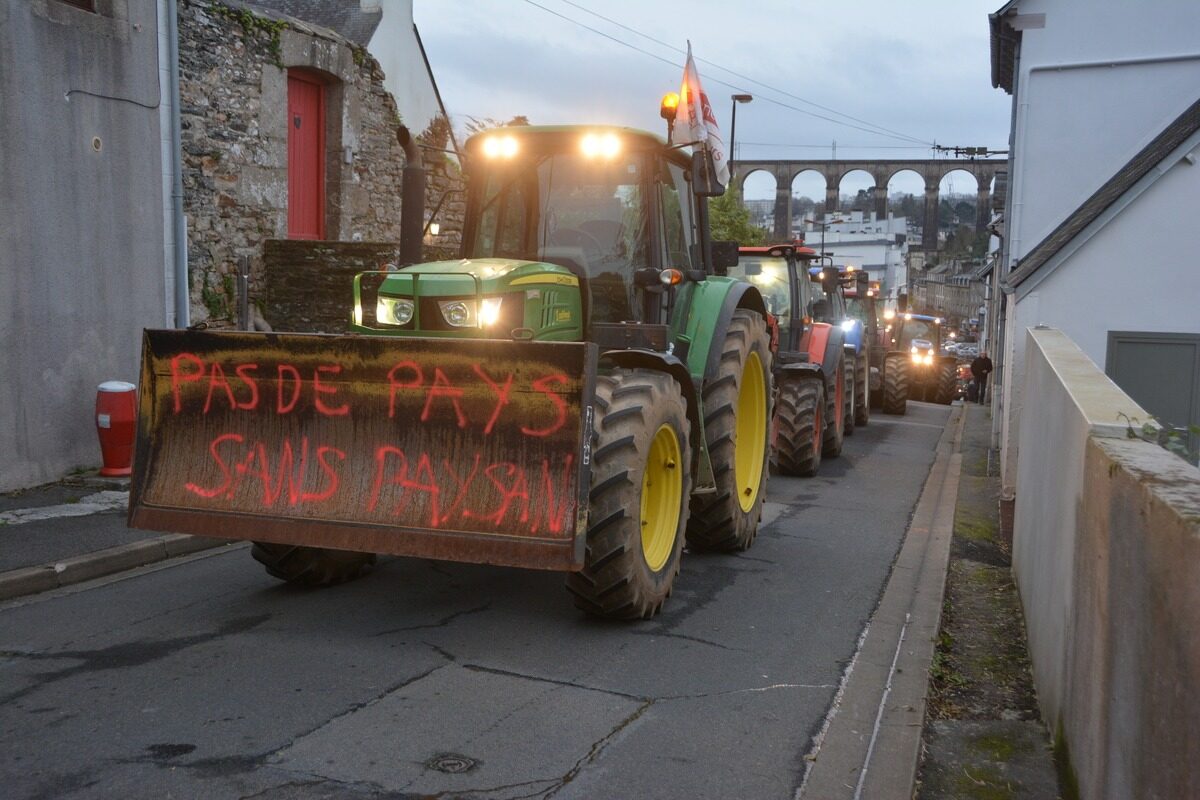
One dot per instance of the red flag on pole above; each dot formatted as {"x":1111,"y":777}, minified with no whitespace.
{"x":701,"y":121}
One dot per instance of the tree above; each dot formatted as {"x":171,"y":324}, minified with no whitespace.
{"x":729,"y":219}
{"x":476,"y":124}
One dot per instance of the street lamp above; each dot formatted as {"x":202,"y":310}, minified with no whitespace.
{"x":737,"y":98}
{"x":823,"y":225}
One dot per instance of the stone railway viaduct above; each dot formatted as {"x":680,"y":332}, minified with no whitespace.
{"x":931,"y":170}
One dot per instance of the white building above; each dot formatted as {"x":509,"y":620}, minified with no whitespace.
{"x":1102,"y":186}
{"x":861,"y":240}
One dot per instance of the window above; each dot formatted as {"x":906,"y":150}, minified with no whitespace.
{"x":86,"y":5}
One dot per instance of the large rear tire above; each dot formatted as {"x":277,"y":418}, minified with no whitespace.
{"x":835,"y":406}
{"x":737,"y":413}
{"x":311,"y":566}
{"x":801,"y":414}
{"x":895,"y":384}
{"x":638,"y":504}
{"x":862,"y":390}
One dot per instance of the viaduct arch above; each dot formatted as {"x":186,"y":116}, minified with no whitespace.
{"x":931,"y":170}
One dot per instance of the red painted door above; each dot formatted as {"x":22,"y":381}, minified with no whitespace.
{"x":306,"y":158}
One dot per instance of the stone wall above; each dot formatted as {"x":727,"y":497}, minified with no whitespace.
{"x":309,"y":286}
{"x":234,"y":63}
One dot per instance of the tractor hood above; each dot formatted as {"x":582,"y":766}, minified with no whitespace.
{"x":469,"y":276}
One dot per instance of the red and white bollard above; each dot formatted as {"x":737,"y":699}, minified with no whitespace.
{"x":116,"y":424}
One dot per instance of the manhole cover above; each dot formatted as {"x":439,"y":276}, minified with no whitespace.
{"x":452,"y":763}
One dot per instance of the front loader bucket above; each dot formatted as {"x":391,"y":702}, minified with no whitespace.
{"x":458,"y":449}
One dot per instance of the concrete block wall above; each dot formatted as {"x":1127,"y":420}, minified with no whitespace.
{"x":1106,"y":556}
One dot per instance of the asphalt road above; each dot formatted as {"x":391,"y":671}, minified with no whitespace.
{"x":203,"y":677}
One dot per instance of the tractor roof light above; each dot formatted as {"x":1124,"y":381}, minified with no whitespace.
{"x":600,"y":145}
{"x":669,"y":106}
{"x":500,"y":146}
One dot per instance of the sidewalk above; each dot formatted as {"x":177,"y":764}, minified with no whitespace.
{"x":939,"y":703}
{"x":983,"y":735}
{"x":74,"y":530}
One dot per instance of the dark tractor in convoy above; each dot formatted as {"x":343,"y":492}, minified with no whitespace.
{"x":812,"y":376}
{"x":915,"y":367}
{"x":832,"y":305}
{"x":862,"y":297}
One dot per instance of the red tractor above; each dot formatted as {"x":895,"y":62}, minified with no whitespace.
{"x":811,"y":372}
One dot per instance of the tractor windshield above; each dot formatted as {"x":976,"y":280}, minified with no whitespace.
{"x":770,"y":275}
{"x":861,"y":309}
{"x":587,"y":214}
{"x":918,"y":332}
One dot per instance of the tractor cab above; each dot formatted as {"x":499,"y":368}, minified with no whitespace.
{"x":568,"y":231}
{"x":860,"y":293}
{"x":828,"y":301}
{"x":777,"y":271}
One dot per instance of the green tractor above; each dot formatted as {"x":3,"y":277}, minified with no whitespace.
{"x":914,"y":367}
{"x":584,"y":390}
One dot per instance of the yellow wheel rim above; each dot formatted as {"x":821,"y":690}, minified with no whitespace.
{"x":750,"y":446}
{"x":662,"y":496}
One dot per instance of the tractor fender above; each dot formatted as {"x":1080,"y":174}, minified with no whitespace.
{"x":709,"y":306}
{"x":824,"y":343}
{"x":800,"y":368}
{"x":665,"y":362}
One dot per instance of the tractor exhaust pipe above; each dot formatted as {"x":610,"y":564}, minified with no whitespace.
{"x":412,"y":200}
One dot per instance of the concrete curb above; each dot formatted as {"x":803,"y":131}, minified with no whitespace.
{"x":872,"y":743}
{"x":42,"y":578}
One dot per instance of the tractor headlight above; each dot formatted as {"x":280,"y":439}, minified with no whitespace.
{"x":489,"y":311}
{"x":928,"y":359}
{"x":848,"y":325}
{"x":462,"y":314}
{"x":394,"y":310}
{"x":458,"y":313}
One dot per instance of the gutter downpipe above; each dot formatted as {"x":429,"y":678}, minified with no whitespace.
{"x":179,"y":222}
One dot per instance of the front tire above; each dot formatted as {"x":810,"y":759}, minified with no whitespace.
{"x":311,"y":566}
{"x":801,"y":414}
{"x":737,"y":413}
{"x":947,"y":384}
{"x":851,"y":394}
{"x":862,"y":390}
{"x":836,"y":412}
{"x":638,"y":504}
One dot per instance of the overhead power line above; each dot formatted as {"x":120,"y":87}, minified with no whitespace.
{"x":878,"y":130}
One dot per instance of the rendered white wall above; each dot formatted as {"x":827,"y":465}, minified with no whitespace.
{"x":394,"y":45}
{"x":1137,"y":273}
{"x":1076,"y":127}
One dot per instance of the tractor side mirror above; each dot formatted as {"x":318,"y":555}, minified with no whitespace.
{"x":724,"y":256}
{"x":901,"y":303}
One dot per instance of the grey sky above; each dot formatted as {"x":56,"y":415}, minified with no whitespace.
{"x":918,"y":68}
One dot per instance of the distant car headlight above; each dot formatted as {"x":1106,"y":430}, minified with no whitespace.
{"x":394,"y":310}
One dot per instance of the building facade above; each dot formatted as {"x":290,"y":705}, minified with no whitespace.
{"x":1101,"y":183}
{"x":82,"y":239}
